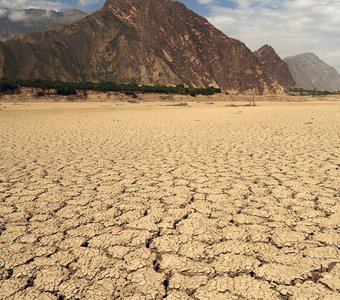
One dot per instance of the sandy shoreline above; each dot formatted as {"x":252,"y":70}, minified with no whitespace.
{"x":65,"y":105}
{"x":114,"y":200}
{"x":27,"y":96}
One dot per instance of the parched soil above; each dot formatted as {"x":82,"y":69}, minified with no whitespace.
{"x":147,"y":201}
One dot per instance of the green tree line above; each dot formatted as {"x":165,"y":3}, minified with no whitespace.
{"x":314,"y":92}
{"x":71,"y":88}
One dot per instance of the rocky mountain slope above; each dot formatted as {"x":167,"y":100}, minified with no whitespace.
{"x":310,"y":72}
{"x":273,"y":64}
{"x":18,"y":22}
{"x":145,"y":42}
{"x":8,"y":64}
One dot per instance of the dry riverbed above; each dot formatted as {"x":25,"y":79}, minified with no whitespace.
{"x":158,"y":201}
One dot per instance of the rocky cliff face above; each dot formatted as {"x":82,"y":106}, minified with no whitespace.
{"x":142,"y":41}
{"x":16,"y":22}
{"x":196,"y":51}
{"x":310,"y":72}
{"x":2,"y":62}
{"x":97,"y":48}
{"x":8,"y":64}
{"x":272,"y":64}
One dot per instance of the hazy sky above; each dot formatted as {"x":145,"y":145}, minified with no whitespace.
{"x":290,"y":26}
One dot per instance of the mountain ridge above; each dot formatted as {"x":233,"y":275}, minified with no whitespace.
{"x":16,"y":22}
{"x":203,"y":66}
{"x":135,"y":41}
{"x":273,"y":64}
{"x":71,"y":61}
{"x":310,"y":72}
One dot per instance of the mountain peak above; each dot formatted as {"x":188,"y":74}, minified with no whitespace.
{"x":265,"y":48}
{"x":310,"y":72}
{"x":190,"y":44}
{"x":273,"y":64}
{"x":145,"y":42}
{"x":136,"y":3}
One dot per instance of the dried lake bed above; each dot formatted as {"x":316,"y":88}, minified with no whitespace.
{"x":159,"y":201}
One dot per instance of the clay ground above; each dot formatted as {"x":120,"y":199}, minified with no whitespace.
{"x":146,"y":201}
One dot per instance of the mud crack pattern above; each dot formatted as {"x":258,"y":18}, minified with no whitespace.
{"x":200,"y":202}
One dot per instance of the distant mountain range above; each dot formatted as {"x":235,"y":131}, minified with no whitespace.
{"x":310,"y":72}
{"x":16,"y":22}
{"x":145,"y":42}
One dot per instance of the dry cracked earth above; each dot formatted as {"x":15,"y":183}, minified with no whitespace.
{"x":144,"y":201}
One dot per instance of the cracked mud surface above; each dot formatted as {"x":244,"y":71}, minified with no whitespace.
{"x":151,"y":202}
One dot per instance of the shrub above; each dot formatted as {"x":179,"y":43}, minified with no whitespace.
{"x":8,"y":87}
{"x":66,"y":91}
{"x":40,"y":94}
{"x":133,"y":95}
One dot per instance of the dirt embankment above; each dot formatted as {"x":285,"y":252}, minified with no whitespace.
{"x":37,"y":95}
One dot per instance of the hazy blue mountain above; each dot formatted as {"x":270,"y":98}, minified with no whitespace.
{"x":310,"y":72}
{"x":16,"y":22}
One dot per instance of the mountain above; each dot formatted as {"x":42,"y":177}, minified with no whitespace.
{"x":15,"y":22}
{"x":273,"y":64}
{"x":8,"y":63}
{"x":141,"y":41}
{"x":97,"y":48}
{"x":310,"y":72}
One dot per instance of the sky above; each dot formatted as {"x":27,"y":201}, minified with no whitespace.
{"x":290,"y":26}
